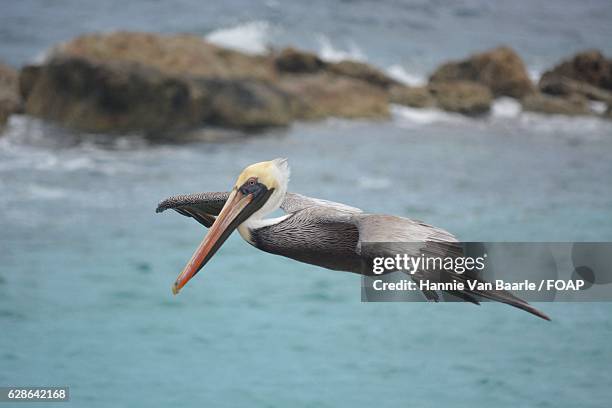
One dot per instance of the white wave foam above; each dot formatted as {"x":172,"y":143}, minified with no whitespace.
{"x":329,"y":52}
{"x":398,"y":73}
{"x":22,"y":129}
{"x":598,"y":106}
{"x":534,"y":74}
{"x":506,"y":108}
{"x":251,"y":37}
{"x":42,"y":56}
{"x":405,"y":115}
{"x":508,"y":112}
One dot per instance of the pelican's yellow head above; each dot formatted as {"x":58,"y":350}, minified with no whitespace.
{"x":259,"y":190}
{"x":272,"y":174}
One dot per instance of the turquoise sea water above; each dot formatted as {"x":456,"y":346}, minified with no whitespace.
{"x":86,"y":265}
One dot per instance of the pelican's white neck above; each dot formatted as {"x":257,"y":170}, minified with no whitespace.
{"x":280,"y":173}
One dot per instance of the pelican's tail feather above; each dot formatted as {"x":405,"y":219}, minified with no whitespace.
{"x":473,"y":294}
{"x":504,"y":296}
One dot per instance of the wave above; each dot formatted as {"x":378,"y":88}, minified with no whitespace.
{"x":534,"y":74}
{"x":598,"y":106}
{"x":42,"y":56}
{"x":398,"y":73}
{"x":252,"y":37}
{"x":329,"y":52}
{"x":22,"y":130}
{"x":255,"y":37}
{"x":506,"y":108}
{"x":31,"y":144}
{"x":407,"y":116}
{"x":507,"y":112}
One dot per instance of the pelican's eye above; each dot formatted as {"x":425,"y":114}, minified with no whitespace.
{"x":252,"y":186}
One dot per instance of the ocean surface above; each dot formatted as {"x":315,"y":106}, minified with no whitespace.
{"x":86,"y":265}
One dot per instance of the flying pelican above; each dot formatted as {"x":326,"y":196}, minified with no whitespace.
{"x":315,"y":231}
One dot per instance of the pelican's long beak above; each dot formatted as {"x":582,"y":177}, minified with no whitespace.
{"x":238,"y":207}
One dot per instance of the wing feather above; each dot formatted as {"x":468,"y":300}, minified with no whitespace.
{"x":294,"y":202}
{"x":203,"y":207}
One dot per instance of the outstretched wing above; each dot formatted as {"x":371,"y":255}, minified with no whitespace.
{"x":204,"y":207}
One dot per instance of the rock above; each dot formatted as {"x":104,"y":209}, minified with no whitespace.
{"x":499,"y":69}
{"x":586,"y":75}
{"x":574,"y":105}
{"x":27,"y":78}
{"x":9,"y":95}
{"x":181,"y":54}
{"x":246,"y":104}
{"x":608,"y":113}
{"x":131,"y":82}
{"x":562,"y":86}
{"x":294,"y":61}
{"x":326,"y":95}
{"x":588,"y":66}
{"x":466,"y":97}
{"x":361,"y":71}
{"x":416,"y":97}
{"x":124,"y":96}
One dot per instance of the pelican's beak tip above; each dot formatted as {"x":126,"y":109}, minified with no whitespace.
{"x":175,"y":289}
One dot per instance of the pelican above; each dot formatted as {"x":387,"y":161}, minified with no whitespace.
{"x":315,"y":231}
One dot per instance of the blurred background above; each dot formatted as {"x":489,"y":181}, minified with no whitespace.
{"x":86,"y":265}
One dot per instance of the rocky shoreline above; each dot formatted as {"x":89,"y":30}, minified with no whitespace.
{"x":10,"y":101}
{"x":159,"y":84}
